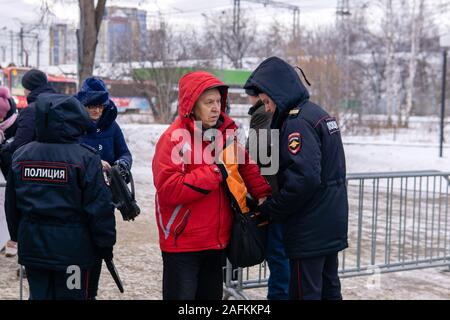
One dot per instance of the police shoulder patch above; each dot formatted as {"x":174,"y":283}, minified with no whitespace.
{"x":293,"y":113}
{"x":294,"y":142}
{"x":332,"y":125}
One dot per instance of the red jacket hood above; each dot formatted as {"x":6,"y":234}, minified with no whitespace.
{"x":192,"y":85}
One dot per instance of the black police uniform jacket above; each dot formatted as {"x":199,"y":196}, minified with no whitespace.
{"x":312,"y":200}
{"x":58,"y":206}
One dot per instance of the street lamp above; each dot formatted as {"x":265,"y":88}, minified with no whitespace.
{"x":445,"y":44}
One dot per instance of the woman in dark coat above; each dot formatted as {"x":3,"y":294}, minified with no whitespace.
{"x":106,"y":137}
{"x":104,"y":134}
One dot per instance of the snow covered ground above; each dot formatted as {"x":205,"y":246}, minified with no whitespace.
{"x":137,"y":254}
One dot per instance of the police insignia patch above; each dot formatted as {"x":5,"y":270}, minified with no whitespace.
{"x":45,"y":172}
{"x":294,"y":143}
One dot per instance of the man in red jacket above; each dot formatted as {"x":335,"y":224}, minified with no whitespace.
{"x":193,"y":210}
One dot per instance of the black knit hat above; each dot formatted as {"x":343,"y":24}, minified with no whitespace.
{"x":34,"y":79}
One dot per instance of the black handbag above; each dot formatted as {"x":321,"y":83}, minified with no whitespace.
{"x":247,"y":244}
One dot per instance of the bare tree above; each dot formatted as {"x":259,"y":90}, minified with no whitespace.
{"x":391,"y":69}
{"x":417,"y":18}
{"x":272,"y":42}
{"x":232,"y":41}
{"x":161,"y":71}
{"x":90,"y":21}
{"x":166,"y":55}
{"x":193,"y":45}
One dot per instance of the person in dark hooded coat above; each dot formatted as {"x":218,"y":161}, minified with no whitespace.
{"x":312,"y":200}
{"x":24,"y":130}
{"x":278,"y":283}
{"x":105,"y":136}
{"x":58,"y":206}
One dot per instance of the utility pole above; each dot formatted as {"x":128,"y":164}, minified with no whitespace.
{"x":445,"y":44}
{"x":221,"y":41}
{"x":12,"y":45}
{"x":296,"y":24}
{"x":3,"y":53}
{"x":236,"y":28}
{"x":236,"y":16}
{"x":26,"y":57}
{"x":21,"y":46}
{"x":38,"y":51}
{"x":444,"y":74}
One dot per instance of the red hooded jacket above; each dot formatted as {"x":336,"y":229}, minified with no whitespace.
{"x":193,"y":211}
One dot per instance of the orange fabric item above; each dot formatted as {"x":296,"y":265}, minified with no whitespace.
{"x":234,"y":180}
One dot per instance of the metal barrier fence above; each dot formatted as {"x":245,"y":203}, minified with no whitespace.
{"x":398,"y":221}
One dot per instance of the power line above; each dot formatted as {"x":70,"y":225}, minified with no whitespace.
{"x":295,"y":10}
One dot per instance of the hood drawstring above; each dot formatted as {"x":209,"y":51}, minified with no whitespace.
{"x":304,"y":76}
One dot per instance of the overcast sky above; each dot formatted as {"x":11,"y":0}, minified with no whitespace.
{"x":182,"y":13}
{"x":176,"y":11}
{"x":187,"y":12}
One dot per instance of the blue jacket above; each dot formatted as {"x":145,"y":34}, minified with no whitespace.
{"x":312,"y":199}
{"x":58,"y":206}
{"x":107,"y":138}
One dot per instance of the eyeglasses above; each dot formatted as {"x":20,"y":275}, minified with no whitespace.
{"x":99,"y":106}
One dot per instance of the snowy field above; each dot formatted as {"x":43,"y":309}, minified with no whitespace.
{"x":137,"y":253}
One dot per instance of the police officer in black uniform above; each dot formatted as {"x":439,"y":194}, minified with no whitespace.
{"x":312,"y":200}
{"x":58,"y":206}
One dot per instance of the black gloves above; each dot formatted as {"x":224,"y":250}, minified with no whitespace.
{"x":105,"y":253}
{"x":123,"y":169}
{"x":122,"y":164}
{"x":261,"y":219}
{"x":263,"y":215}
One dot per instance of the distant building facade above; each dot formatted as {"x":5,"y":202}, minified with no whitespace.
{"x":123,"y":35}
{"x":63,"y":44}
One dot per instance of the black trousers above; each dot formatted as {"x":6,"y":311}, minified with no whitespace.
{"x":315,"y":279}
{"x":193,"y":275}
{"x":57,"y":285}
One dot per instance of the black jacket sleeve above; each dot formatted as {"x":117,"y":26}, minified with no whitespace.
{"x":301,"y":177}
{"x":121,"y":148}
{"x":12,"y":214}
{"x":26,"y":130}
{"x":97,"y":203}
